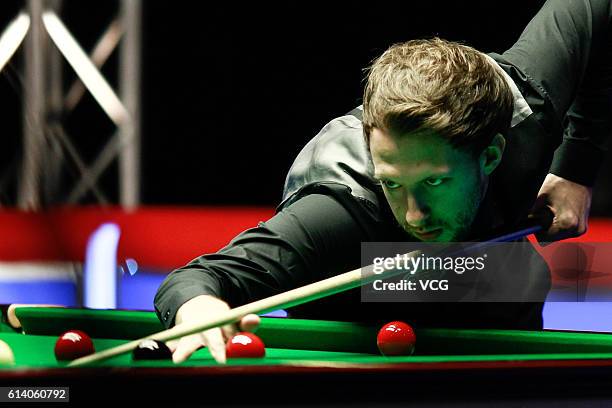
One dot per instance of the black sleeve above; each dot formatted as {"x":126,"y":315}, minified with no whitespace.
{"x":314,"y":238}
{"x":566,"y":50}
{"x":588,"y":122}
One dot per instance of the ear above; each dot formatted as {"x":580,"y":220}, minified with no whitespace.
{"x":492,"y":154}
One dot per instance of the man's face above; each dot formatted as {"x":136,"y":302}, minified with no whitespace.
{"x":433,"y":189}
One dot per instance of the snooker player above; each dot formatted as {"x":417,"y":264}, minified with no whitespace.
{"x":450,"y":144}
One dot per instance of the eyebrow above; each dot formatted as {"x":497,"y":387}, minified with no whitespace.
{"x":382,"y":177}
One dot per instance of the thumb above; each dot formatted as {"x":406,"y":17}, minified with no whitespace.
{"x":540,"y":203}
{"x":546,"y":216}
{"x":185,"y":347}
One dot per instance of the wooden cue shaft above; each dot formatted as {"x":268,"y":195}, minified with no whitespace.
{"x":294,"y":297}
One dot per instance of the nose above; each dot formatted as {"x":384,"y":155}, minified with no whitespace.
{"x":416,"y":212}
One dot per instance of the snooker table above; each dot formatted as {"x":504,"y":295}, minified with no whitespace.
{"x":323,"y":362}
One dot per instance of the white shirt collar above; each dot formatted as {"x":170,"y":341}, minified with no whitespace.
{"x":521,"y":108}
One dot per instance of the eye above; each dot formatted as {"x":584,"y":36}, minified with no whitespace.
{"x":391,"y":185}
{"x":434,"y":181}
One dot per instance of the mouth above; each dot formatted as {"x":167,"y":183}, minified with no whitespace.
{"x":428,"y":235}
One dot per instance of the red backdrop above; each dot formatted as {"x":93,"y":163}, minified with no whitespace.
{"x":160,"y":237}
{"x":157,"y":237}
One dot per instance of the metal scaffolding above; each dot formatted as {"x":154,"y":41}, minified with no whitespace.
{"x":46,"y":44}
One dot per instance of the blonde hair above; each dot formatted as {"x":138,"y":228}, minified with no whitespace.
{"x":440,"y":85}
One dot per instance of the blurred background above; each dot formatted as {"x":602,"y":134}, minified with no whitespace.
{"x":211,"y":104}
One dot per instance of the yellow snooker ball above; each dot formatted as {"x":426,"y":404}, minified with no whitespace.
{"x":7,"y":358}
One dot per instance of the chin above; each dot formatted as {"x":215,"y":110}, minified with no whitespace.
{"x":448,"y":236}
{"x":443,"y":238}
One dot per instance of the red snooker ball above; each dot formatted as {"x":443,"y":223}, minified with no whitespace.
{"x":245,"y":345}
{"x":73,"y":344}
{"x":396,"y":339}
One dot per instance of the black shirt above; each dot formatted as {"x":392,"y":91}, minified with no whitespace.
{"x":331,"y":203}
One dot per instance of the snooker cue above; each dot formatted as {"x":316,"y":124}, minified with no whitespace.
{"x":294,"y":297}
{"x":336,"y":284}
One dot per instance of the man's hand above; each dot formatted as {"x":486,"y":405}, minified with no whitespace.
{"x":215,"y":339}
{"x":570,"y":203}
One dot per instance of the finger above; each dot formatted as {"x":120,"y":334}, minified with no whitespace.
{"x":250,"y":323}
{"x":172,"y":344}
{"x":549,"y":236}
{"x":548,"y":216}
{"x":228,"y":331}
{"x":216,"y":344}
{"x":187,"y":346}
{"x":569,"y":224}
{"x":557,"y":232}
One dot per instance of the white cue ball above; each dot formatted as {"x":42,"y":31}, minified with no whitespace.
{"x":7,"y":358}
